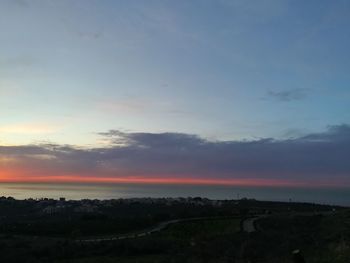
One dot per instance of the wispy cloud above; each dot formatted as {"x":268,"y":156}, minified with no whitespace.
{"x":288,"y":95}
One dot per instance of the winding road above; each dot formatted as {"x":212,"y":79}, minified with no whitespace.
{"x":161,"y":226}
{"x":248,"y":225}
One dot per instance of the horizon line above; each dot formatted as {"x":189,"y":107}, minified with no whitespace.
{"x":249,"y":182}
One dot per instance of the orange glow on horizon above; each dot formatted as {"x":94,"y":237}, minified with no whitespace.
{"x":11,"y":176}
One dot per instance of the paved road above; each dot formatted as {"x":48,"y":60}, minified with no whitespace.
{"x":149,"y":231}
{"x":248,"y":224}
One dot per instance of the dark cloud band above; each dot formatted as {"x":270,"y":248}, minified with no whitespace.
{"x":312,"y":158}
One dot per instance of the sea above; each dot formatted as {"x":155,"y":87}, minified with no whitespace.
{"x":77,"y":191}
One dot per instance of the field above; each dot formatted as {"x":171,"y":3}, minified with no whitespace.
{"x":321,"y":238}
{"x":180,"y":239}
{"x":193,"y":232}
{"x":202,"y":229}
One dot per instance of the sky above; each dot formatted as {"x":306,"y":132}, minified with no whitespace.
{"x":197,"y":92}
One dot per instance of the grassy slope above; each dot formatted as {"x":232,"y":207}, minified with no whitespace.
{"x":321,"y":239}
{"x":180,"y":237}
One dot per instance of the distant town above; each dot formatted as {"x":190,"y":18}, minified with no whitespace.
{"x":52,"y":206}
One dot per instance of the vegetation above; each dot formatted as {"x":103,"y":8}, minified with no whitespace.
{"x":213,"y":234}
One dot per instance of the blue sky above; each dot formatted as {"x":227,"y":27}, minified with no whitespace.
{"x":224,"y":70}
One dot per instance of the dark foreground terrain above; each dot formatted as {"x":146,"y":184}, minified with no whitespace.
{"x":171,"y":230}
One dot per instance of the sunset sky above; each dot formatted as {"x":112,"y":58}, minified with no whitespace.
{"x":172,"y":92}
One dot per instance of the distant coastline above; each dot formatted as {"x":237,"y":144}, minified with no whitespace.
{"x":331,"y":196}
